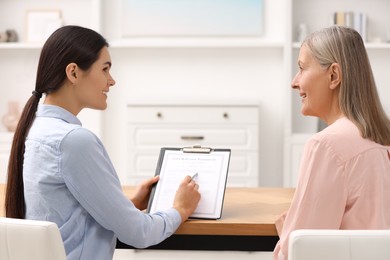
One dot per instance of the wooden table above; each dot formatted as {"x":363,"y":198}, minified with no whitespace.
{"x":247,"y":222}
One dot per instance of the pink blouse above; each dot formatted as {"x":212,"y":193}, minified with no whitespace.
{"x":344,"y":183}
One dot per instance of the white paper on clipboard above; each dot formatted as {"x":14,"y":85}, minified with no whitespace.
{"x":211,"y":166}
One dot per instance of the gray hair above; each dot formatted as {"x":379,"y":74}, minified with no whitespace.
{"x":358,"y":98}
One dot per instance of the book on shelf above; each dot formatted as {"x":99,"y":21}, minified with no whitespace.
{"x":355,"y":20}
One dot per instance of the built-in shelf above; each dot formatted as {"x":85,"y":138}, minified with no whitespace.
{"x":369,"y":45}
{"x":20,"y":45}
{"x":170,"y":43}
{"x":190,"y":42}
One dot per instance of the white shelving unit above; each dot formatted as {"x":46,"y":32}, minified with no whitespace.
{"x":195,"y":68}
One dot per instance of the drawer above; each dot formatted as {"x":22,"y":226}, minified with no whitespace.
{"x":155,"y":137}
{"x":242,"y":165}
{"x":193,"y":114}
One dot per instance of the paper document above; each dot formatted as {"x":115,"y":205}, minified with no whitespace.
{"x":209,"y":170}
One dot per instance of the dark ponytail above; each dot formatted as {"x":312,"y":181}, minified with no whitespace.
{"x":14,"y":200}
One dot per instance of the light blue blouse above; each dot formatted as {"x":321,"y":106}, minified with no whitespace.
{"x":70,"y":180}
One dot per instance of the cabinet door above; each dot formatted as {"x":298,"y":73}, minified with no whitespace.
{"x":243,"y":169}
{"x":297,"y":146}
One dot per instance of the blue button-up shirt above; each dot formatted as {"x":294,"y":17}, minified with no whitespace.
{"x":70,"y":180}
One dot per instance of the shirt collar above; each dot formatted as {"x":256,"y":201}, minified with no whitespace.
{"x":57,"y":112}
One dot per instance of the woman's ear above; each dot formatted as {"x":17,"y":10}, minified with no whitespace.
{"x":71,"y":72}
{"x":335,"y":75}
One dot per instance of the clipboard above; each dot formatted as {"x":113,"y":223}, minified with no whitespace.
{"x":210,"y":168}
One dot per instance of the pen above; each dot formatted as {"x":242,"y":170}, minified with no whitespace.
{"x":194,"y":176}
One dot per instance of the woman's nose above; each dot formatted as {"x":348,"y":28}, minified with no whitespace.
{"x":294,"y":82}
{"x":112,"y":81}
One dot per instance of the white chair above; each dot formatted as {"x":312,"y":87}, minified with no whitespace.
{"x":22,"y":239}
{"x":339,"y":245}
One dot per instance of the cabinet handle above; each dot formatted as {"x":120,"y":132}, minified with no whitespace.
{"x":159,"y":115}
{"x":193,"y":137}
{"x":225,"y":115}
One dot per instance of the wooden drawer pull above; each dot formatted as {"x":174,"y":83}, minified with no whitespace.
{"x":193,"y":137}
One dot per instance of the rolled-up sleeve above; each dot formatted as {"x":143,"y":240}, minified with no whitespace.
{"x":92,"y":180}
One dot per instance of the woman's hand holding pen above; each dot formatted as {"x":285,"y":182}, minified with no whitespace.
{"x":187,"y":197}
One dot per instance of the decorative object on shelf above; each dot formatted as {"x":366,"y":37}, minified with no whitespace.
{"x":8,"y":36}
{"x":42,"y":23}
{"x":11,"y":118}
{"x":156,"y":18}
{"x":12,"y":35}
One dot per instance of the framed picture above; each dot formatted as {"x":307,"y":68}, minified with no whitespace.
{"x":192,"y":18}
{"x":41,"y":24}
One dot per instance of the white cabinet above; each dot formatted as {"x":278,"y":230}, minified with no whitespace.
{"x":150,"y":127}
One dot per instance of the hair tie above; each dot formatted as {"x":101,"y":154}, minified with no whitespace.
{"x":37,"y":94}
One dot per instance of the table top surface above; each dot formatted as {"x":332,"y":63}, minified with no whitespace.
{"x":246,"y":212}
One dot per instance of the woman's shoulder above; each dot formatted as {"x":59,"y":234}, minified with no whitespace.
{"x":343,"y":138}
{"x":341,"y":130}
{"x":81,"y":138}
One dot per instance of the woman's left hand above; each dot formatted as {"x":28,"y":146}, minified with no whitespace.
{"x":142,"y":193}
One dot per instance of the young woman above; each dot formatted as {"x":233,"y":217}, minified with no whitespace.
{"x":344,"y":178}
{"x":61,"y":172}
